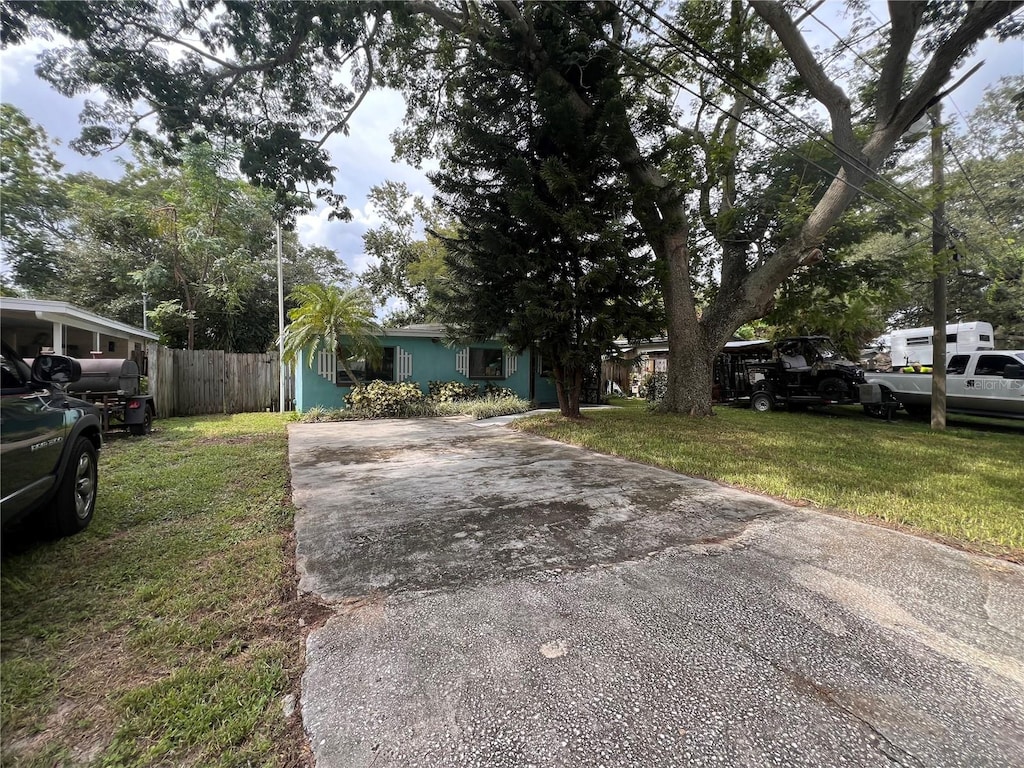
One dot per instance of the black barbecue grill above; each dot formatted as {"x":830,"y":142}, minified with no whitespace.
{"x":103,"y":376}
{"x":114,"y":384}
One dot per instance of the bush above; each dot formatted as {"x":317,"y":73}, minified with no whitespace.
{"x":494,"y":392}
{"x":452,"y":391}
{"x":654,"y":387}
{"x":391,"y":400}
{"x":384,"y":399}
{"x":318,"y":414}
{"x":489,"y":407}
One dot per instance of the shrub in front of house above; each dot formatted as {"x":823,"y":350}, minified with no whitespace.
{"x":452,"y":391}
{"x":385,"y":399}
{"x":488,"y":407}
{"x":319,"y":413}
{"x":495,"y":392}
{"x":397,"y":400}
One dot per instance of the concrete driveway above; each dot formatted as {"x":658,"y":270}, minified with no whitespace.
{"x":505,"y":600}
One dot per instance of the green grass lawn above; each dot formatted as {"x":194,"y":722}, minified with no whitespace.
{"x":167,"y":633}
{"x":965,"y":484}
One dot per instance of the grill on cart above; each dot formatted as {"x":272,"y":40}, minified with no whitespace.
{"x":114,"y":385}
{"x":107,"y":377}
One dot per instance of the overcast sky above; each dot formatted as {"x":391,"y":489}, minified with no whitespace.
{"x":363,"y":158}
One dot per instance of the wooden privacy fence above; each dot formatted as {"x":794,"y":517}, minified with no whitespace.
{"x":193,"y":382}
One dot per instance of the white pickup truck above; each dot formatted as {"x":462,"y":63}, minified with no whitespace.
{"x":986,"y":383}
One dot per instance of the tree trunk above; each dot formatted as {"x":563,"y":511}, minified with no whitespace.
{"x":569,"y":386}
{"x":690,"y":369}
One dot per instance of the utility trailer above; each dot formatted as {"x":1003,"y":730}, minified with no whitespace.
{"x":793,"y":373}
{"x":114,"y":385}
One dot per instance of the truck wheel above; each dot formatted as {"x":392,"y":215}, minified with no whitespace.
{"x":762,"y":402}
{"x":76,"y":496}
{"x":833,"y":388}
{"x":143,"y":428}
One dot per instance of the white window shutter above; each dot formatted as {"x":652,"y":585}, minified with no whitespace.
{"x":403,"y":364}
{"x":462,"y":361}
{"x":327,"y":365}
{"x":511,"y":363}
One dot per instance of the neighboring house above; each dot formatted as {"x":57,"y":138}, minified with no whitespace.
{"x":34,"y":325}
{"x":419,"y":353}
{"x":626,"y":372}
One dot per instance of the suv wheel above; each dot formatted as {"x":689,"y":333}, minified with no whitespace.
{"x":76,"y":497}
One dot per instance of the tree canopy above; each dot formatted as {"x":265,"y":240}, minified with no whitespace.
{"x":269,"y":76}
{"x":194,"y":236}
{"x":407,"y":252}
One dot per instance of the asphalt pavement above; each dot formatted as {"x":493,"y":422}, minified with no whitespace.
{"x":505,"y":600}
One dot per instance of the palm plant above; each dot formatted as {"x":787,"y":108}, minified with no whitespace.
{"x":338,"y":319}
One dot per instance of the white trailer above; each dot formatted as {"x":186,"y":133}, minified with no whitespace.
{"x":911,"y":346}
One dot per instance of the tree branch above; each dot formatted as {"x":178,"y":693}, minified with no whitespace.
{"x":981,"y":17}
{"x":905,"y":20}
{"x":512,"y":13}
{"x":443,"y":18}
{"x":340,"y":125}
{"x":830,"y":95}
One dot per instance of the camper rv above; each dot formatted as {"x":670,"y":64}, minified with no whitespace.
{"x":913,"y":346}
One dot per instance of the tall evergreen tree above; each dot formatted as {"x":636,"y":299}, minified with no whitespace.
{"x":547,"y":254}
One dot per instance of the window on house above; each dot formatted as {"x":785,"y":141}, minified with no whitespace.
{"x":485,"y":363}
{"x":382,"y":370}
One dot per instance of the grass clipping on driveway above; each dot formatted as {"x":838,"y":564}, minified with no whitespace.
{"x":960,"y":484}
{"x":167,"y":633}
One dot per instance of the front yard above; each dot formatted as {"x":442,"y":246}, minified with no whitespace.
{"x":963,"y":485}
{"x":168,"y":632}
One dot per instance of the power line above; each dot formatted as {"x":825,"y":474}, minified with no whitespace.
{"x":948,"y":144}
{"x":870,"y":172}
{"x":782,"y":114}
{"x":843,"y":43}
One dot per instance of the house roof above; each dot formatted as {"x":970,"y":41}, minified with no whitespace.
{"x":13,"y":309}
{"x":426,"y":330}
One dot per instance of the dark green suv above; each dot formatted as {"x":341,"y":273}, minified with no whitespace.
{"x":48,"y":444}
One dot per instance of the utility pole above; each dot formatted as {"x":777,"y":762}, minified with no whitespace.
{"x":280,"y":325}
{"x":940,"y":265}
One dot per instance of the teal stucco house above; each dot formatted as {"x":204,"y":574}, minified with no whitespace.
{"x":419,"y":353}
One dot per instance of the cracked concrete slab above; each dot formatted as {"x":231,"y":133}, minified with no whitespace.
{"x":505,"y":600}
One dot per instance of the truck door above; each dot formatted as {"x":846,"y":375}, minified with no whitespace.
{"x":988,"y":389}
{"x":31,"y":437}
{"x":956,"y":378}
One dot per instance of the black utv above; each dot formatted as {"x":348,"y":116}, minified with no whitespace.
{"x":794,"y":372}
{"x":802,"y":371}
